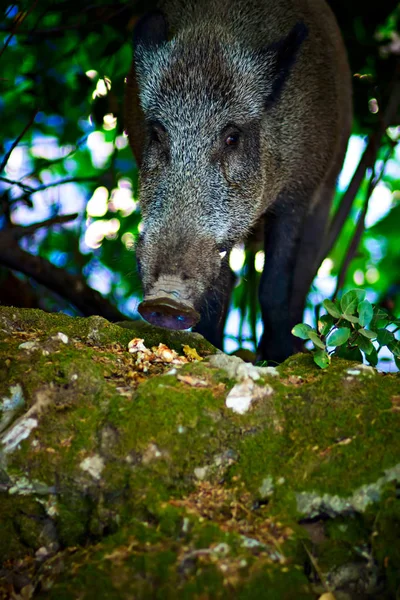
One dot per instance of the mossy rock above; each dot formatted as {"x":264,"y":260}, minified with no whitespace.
{"x":121,"y":483}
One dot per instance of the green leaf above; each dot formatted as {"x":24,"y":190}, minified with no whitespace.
{"x":350,"y":318}
{"x":371,"y":335}
{"x":353,"y":353}
{"x":397,"y":362}
{"x":301,"y":330}
{"x":379,"y":324}
{"x":372,"y":358}
{"x":385,"y":337}
{"x":380,"y":318}
{"x":313,"y":336}
{"x":338,"y":337}
{"x":331,"y":308}
{"x":350,"y":301}
{"x":380,"y":313}
{"x":365,"y":344}
{"x":322,"y":359}
{"x":394,"y":348}
{"x":365,"y":313}
{"x":325,"y":323}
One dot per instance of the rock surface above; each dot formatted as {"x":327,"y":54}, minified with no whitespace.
{"x":130,"y":476}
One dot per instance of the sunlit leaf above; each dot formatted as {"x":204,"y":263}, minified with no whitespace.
{"x":350,"y":318}
{"x":313,"y":336}
{"x":322,"y":359}
{"x":365,"y":313}
{"x":385,"y":337}
{"x":325,"y":323}
{"x":350,"y":301}
{"x":372,"y":357}
{"x":371,"y":335}
{"x":352,"y":353}
{"x":394,"y":347}
{"x":338,"y":337}
{"x":331,"y":308}
{"x":301,"y":330}
{"x":365,"y":344}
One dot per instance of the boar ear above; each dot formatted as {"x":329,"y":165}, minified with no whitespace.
{"x":282,"y":55}
{"x":150,"y":31}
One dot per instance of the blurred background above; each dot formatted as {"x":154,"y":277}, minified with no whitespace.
{"x":69,"y":211}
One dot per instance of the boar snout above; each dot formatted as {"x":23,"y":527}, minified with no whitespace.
{"x":166,"y":312}
{"x":177,"y":272}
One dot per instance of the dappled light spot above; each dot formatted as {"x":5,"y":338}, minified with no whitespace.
{"x":121,"y":142}
{"x":325,"y":268}
{"x":259,"y":261}
{"x":372,"y":275}
{"x":128,"y":239}
{"x":97,"y":205}
{"x":379,"y":205}
{"x":102,"y":87}
{"x":358,"y":277}
{"x":237,"y":258}
{"x":393,"y":132}
{"x":122,"y":198}
{"x":91,"y":73}
{"x":16,"y":161}
{"x":100,"y":229}
{"x":373,"y":105}
{"x":109,"y":122}
{"x":100,"y":149}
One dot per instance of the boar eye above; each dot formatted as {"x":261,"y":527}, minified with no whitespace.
{"x":231,"y":137}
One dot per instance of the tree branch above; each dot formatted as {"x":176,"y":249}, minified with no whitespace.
{"x":367,"y":161}
{"x":19,"y":231}
{"x":31,"y":190}
{"x":71,"y":287}
{"x":360,"y":227}
{"x":17,"y":141}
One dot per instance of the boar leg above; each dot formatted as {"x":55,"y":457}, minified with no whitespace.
{"x":215,"y":307}
{"x":283,"y":232}
{"x":309,"y":257}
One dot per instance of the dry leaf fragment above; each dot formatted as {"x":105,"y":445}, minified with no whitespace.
{"x":191,"y":353}
{"x":137,"y":345}
{"x":164,"y":354}
{"x":193,"y":381}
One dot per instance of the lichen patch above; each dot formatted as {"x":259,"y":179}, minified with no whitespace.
{"x":93,"y":465}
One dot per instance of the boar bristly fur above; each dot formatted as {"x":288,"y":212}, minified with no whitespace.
{"x":236,"y":110}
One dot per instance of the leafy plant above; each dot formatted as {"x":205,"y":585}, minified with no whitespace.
{"x":348,"y":330}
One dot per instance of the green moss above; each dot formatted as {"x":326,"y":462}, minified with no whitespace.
{"x":385,"y":527}
{"x":141,"y":563}
{"x":21,"y":527}
{"x":119,"y":457}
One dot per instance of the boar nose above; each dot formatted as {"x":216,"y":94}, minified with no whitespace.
{"x":166,"y":312}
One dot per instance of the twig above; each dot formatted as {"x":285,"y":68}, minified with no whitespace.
{"x":27,"y":188}
{"x":19,"y":231}
{"x":318,"y":571}
{"x":79,"y":25}
{"x":49,"y":163}
{"x":31,"y":190}
{"x":20,"y":19}
{"x":17,"y":141}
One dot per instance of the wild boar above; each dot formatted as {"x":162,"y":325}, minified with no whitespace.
{"x":236,"y":111}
